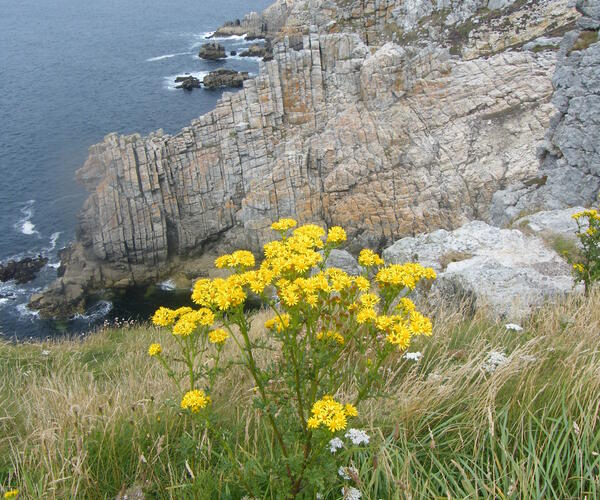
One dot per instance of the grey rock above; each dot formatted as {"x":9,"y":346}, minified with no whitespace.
{"x":500,"y":269}
{"x":212,"y":51}
{"x":344,"y":261}
{"x":225,"y":78}
{"x":551,"y":222}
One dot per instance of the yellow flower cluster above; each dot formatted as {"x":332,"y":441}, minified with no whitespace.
{"x":368,"y":258}
{"x":330,"y":334}
{"x":400,"y":328}
{"x":404,"y":275}
{"x":331,"y":414}
{"x":218,"y":336}
{"x":195,"y":400}
{"x":336,"y":235}
{"x":188,"y":323}
{"x":279,"y":323}
{"x":221,"y":294}
{"x":11,"y":494}
{"x":166,"y":317}
{"x":154,"y":349}
{"x":283,"y":225}
{"x":240,"y":258}
{"x":591,"y":213}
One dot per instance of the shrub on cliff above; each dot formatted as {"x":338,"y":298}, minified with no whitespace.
{"x":587,"y":266}
{"x":331,"y":337}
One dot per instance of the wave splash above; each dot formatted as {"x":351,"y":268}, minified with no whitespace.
{"x":24,"y":224}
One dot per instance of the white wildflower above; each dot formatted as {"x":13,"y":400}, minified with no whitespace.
{"x":514,"y":327}
{"x":351,"y":493}
{"x":335,"y":444}
{"x":413,"y":356}
{"x":347,"y":472}
{"x":45,"y":353}
{"x":357,"y":436}
{"x":494,"y":360}
{"x":319,"y":496}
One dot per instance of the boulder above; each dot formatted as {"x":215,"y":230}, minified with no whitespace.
{"x":343,"y":260}
{"x":187,"y":82}
{"x":505,"y":270}
{"x":225,"y":78}
{"x":22,"y":271}
{"x":551,"y":223}
{"x":212,"y":51}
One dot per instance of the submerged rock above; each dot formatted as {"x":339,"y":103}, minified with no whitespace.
{"x":225,"y":78}
{"x":187,"y":82}
{"x":212,"y":51}
{"x":22,"y":271}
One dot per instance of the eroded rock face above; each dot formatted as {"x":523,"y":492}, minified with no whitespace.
{"x":502,"y":269}
{"x":387,"y":141}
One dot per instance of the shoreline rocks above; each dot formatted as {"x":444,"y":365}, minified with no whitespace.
{"x":187,"y":82}
{"x":225,"y":78}
{"x":264,"y":51}
{"x":212,"y":51}
{"x":22,"y":271}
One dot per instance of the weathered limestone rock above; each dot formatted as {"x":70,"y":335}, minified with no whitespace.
{"x":212,"y":51}
{"x":551,"y":223}
{"x":225,"y":78}
{"x":502,"y":269}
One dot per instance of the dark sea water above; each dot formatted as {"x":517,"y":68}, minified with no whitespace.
{"x":72,"y":71}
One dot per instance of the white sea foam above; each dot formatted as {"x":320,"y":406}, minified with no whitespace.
{"x":167,"y":285}
{"x":169,"y":81}
{"x":97,"y":311}
{"x":167,"y":56}
{"x":245,"y":58}
{"x":54,"y":265}
{"x":25,"y":312}
{"x":24,"y":224}
{"x":53,"y":239}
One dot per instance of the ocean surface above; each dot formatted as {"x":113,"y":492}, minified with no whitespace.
{"x":71,"y":71}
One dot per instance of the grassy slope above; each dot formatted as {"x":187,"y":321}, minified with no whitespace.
{"x":90,"y":418}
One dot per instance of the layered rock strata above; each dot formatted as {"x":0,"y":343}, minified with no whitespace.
{"x":387,"y":141}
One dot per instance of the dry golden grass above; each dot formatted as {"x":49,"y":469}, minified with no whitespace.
{"x":86,"y":418}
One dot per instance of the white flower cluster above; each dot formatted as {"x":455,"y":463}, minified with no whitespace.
{"x":335,"y":444}
{"x":357,"y":436}
{"x":351,"y":493}
{"x":494,"y":360}
{"x":413,"y":356}
{"x":348,"y":472}
{"x":514,"y":327}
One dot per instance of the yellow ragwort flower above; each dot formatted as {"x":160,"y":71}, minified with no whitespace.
{"x":283,"y":225}
{"x":164,"y":316}
{"x":336,"y":235}
{"x":11,"y":494}
{"x":279,"y":323}
{"x":368,"y":258}
{"x":330,"y":414}
{"x":195,"y":400}
{"x":218,"y":336}
{"x":154,"y":349}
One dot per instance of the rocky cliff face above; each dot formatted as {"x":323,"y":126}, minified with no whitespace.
{"x":389,"y":118}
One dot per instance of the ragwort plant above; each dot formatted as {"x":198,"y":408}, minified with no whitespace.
{"x":322,"y":319}
{"x":587,"y":269}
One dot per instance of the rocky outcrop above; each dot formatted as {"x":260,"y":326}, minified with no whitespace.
{"x":187,"y":82}
{"x":212,"y":51}
{"x":259,"y":50}
{"x":569,"y":172}
{"x":22,"y":271}
{"x":264,"y":25}
{"x":225,"y":78}
{"x":504,"y":270}
{"x":387,"y":140}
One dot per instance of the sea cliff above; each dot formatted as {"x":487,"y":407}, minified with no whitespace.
{"x":389,"y":118}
